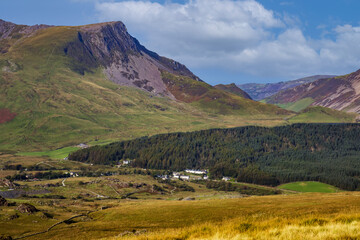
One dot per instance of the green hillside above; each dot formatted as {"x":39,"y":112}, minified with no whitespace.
{"x":232,"y":88}
{"x":57,"y":105}
{"x":217,"y":101}
{"x":309,"y":187}
{"x":297,"y":106}
{"x":322,"y":115}
{"x":57,"y":100}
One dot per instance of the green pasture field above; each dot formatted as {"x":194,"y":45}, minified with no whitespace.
{"x":309,"y":187}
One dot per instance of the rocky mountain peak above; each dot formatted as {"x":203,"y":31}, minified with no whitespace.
{"x":12,"y":30}
{"x":124,"y":60}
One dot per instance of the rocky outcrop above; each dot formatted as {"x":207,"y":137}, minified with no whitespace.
{"x":12,"y":30}
{"x":10,"y":33}
{"x":124,"y":60}
{"x":3,"y":202}
{"x":26,"y":208}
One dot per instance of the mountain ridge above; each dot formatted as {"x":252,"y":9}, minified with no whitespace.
{"x":339,"y":93}
{"x":73,"y":84}
{"x":232,"y":88}
{"x":261,"y":91}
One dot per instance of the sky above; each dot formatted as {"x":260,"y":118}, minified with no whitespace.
{"x":222,"y":41}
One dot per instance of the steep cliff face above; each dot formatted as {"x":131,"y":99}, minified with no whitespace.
{"x":124,"y":59}
{"x":340,"y":93}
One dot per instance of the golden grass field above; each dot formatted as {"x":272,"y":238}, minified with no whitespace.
{"x":305,"y":216}
{"x":159,"y":216}
{"x":296,"y":216}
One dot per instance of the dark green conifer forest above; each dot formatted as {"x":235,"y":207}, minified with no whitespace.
{"x":327,"y":153}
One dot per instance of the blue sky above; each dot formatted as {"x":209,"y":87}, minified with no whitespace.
{"x":223,"y":41}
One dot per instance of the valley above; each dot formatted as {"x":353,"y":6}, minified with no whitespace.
{"x":60,"y":100}
{"x":112,"y":202}
{"x":101,"y":138}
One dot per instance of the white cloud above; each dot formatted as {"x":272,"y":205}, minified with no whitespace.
{"x":240,"y":35}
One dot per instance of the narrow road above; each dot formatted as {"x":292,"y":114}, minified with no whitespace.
{"x":97,"y":195}
{"x":114,"y":189}
{"x":172,"y":191}
{"x":45,"y":164}
{"x":47,"y":230}
{"x":63,"y":182}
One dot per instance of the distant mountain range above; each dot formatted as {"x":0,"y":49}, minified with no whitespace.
{"x":259,"y":91}
{"x":340,"y":93}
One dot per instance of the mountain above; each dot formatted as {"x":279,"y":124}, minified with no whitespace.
{"x":232,"y":88}
{"x":124,"y":60}
{"x":260,"y":91}
{"x":340,"y":93}
{"x":64,"y":85}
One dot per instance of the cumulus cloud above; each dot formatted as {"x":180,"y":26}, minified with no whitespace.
{"x":241,"y":35}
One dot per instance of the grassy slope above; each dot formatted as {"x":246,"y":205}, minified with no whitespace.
{"x":55,"y":154}
{"x":305,"y":216}
{"x":309,"y":187}
{"x":216,"y":101}
{"x":232,"y":88}
{"x":297,"y":106}
{"x":56,"y":107}
{"x":322,"y":115}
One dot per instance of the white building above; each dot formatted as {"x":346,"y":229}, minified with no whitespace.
{"x":186,"y":178}
{"x":200,"y":172}
{"x":226,"y":178}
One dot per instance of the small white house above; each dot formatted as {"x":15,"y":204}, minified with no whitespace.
{"x":123,"y":163}
{"x":163,"y":177}
{"x":72,"y":174}
{"x":83,"y":145}
{"x":186,"y":178}
{"x":200,"y":172}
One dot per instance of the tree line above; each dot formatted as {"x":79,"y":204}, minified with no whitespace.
{"x":300,"y":152}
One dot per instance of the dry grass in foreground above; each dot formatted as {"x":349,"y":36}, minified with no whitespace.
{"x":298,"y":216}
{"x":307,"y":216}
{"x":325,"y":229}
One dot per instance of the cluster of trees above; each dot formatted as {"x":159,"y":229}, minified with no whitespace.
{"x":38,"y":175}
{"x":319,"y":152}
{"x":20,"y":167}
{"x":231,"y":187}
